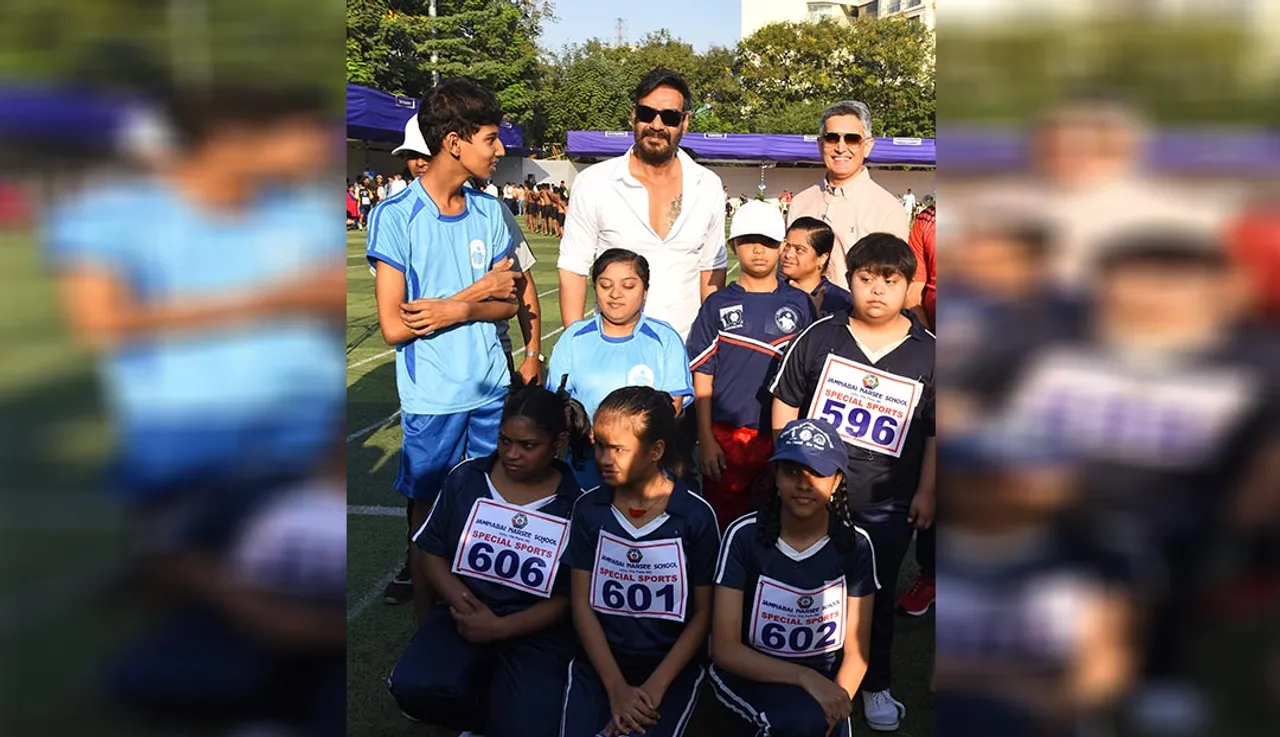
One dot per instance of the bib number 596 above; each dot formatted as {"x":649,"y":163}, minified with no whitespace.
{"x":506,"y":564}
{"x":883,"y":431}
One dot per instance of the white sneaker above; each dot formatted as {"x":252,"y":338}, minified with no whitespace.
{"x":883,"y":712}
{"x":1170,"y":708}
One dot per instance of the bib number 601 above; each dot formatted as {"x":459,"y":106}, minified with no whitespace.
{"x":506,"y":564}
{"x":883,"y":431}
{"x":637,"y":597}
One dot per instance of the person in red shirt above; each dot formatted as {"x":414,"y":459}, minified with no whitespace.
{"x":923,"y":297}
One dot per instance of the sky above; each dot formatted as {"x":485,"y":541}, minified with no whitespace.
{"x":703,"y":23}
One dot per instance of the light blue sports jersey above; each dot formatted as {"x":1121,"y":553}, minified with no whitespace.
{"x":596,"y":364}
{"x":201,"y":401}
{"x":464,"y":367}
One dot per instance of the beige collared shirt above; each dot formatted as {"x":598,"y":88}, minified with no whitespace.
{"x":857,"y":209}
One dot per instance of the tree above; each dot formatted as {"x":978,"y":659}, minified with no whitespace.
{"x":390,"y":44}
{"x":789,"y":70}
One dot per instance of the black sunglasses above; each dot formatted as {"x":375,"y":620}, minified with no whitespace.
{"x":850,"y":139}
{"x":670,"y":118}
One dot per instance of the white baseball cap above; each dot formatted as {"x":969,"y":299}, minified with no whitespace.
{"x":412,"y":139}
{"x":758,"y":218}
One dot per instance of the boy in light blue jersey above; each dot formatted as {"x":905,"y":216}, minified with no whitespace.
{"x":437,"y":246}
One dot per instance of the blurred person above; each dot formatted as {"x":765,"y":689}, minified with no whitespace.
{"x":436,"y":248}
{"x":493,"y":655}
{"x":396,"y":185}
{"x":804,"y":260}
{"x":380,"y":190}
{"x":414,"y":150}
{"x":654,"y":200}
{"x":737,"y":341}
{"x":847,"y":198}
{"x":259,"y":638}
{"x":871,"y":374}
{"x":619,"y":346}
{"x":365,"y":196}
{"x":790,"y":665}
{"x":217,"y":323}
{"x":1036,"y":634}
{"x":909,"y":204}
{"x":642,"y":556}
{"x":353,"y":207}
{"x":1171,"y":401}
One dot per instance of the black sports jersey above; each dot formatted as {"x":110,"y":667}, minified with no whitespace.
{"x":506,"y":554}
{"x":1014,"y":616}
{"x":833,"y":297}
{"x":794,"y":602}
{"x":1163,"y":440}
{"x":642,"y":580}
{"x":883,"y":410}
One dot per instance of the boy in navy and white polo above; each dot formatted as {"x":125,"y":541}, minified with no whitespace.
{"x":735,"y":346}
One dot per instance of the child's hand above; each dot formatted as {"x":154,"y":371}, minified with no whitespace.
{"x":501,"y":280}
{"x":425,"y":316}
{"x":631,"y":710}
{"x":922,"y":510}
{"x":480,"y":625}
{"x":710,"y":458}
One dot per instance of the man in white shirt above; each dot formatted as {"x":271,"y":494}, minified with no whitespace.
{"x":909,"y":203}
{"x":654,"y":200}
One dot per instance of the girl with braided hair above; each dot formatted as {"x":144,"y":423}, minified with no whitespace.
{"x":491,"y":547}
{"x":643,"y":551}
{"x":795,"y":585}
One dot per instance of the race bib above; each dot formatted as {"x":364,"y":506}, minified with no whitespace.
{"x":870,"y":408}
{"x":639,"y":579}
{"x":797,"y":623}
{"x":512,"y":546}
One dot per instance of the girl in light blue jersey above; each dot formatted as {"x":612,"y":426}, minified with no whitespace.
{"x":619,"y":346}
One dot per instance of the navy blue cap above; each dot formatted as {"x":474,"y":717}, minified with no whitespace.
{"x":814,"y":444}
{"x":995,"y":447}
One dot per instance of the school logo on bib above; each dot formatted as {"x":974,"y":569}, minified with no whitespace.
{"x":787,"y":319}
{"x":640,"y":375}
{"x":477,"y":254}
{"x":870,"y":382}
{"x":804,"y":602}
{"x":634,"y":555}
{"x":731,"y":317}
{"x":519,"y":521}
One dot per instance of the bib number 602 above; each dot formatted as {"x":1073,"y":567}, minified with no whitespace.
{"x":801,"y":639}
{"x":883,"y":431}
{"x":506,"y":564}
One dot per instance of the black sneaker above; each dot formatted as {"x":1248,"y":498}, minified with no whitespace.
{"x":400,"y":590}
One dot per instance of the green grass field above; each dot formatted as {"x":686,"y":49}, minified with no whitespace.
{"x":377,"y":633}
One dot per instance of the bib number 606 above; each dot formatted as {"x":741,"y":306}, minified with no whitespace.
{"x":506,"y":564}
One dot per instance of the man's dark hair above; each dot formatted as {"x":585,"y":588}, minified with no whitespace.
{"x":663,"y":77}
{"x":456,"y":106}
{"x":883,"y":254}
{"x":197,"y":115}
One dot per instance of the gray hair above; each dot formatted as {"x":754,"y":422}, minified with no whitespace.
{"x":847,"y":107}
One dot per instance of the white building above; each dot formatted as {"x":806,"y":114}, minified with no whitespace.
{"x":759,"y":13}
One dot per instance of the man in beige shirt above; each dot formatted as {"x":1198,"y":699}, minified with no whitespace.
{"x":847,"y":199}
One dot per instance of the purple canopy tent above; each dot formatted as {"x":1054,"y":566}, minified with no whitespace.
{"x":378,"y":116}
{"x":758,"y":147}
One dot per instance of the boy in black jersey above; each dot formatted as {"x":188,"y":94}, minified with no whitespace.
{"x":870,"y":374}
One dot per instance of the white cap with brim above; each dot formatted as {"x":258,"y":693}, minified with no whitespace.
{"x":758,"y":218}
{"x":413,"y":141}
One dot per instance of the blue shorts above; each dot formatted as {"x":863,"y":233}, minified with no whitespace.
{"x":773,"y":709}
{"x":434,"y":444}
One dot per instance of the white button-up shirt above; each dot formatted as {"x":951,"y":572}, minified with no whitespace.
{"x":610,"y":209}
